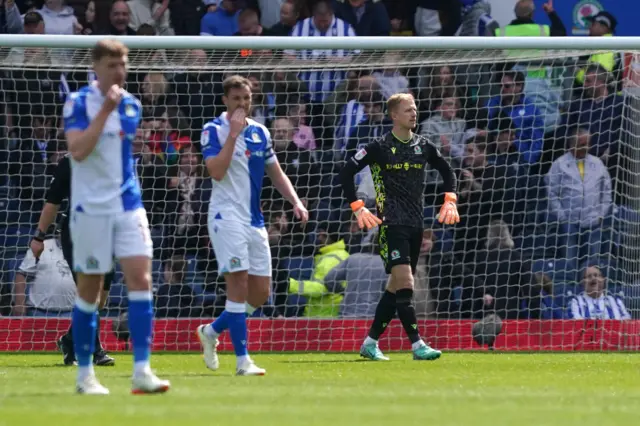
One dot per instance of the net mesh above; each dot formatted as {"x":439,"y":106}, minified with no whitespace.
{"x":545,"y":234}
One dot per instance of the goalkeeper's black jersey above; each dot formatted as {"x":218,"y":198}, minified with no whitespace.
{"x":59,"y":190}
{"x":398,"y":171}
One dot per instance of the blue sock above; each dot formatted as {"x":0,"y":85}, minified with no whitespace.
{"x":83,"y":320}
{"x":237,"y":321}
{"x":221,"y":323}
{"x":141,"y":325}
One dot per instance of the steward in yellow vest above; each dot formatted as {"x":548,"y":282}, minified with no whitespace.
{"x":604,"y":25}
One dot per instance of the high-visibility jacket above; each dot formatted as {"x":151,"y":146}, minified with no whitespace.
{"x":525,"y":30}
{"x":320,"y":302}
{"x":606,"y":60}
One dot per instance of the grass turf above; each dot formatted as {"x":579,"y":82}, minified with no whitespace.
{"x":334,"y":390}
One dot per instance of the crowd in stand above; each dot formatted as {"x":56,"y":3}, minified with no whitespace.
{"x":539,"y":152}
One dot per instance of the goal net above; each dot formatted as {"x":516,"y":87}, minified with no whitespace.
{"x":545,"y":144}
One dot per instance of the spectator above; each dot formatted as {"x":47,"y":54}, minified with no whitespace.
{"x":296,"y":161}
{"x":476,"y":20}
{"x":401,"y":17}
{"x":594,"y":302}
{"x":249,"y":24}
{"x":580,"y":198}
{"x":223,"y":21}
{"x":169,"y":135}
{"x":375,"y":124}
{"x":322,"y":82}
{"x":599,"y":111}
{"x":33,"y":25}
{"x":156,"y":92}
{"x":367,"y":17}
{"x":153,"y":176}
{"x":427,"y":17}
{"x":198,"y":91}
{"x":446,"y":129}
{"x":97,"y":18}
{"x":526,"y":118}
{"x":59,"y":19}
{"x":390,"y":79}
{"x":52,"y":289}
{"x":270,"y":12}
{"x":504,"y":152}
{"x":88,"y":21}
{"x":352,"y":112}
{"x":422,"y":299}
{"x":263,"y":105}
{"x":10,"y":19}
{"x":289,"y":15}
{"x":365,"y":279}
{"x":550,"y":306}
{"x":525,"y":26}
{"x":507,"y":280}
{"x":321,"y":301}
{"x":303,"y":135}
{"x":604,"y":24}
{"x":119,"y":20}
{"x":187,"y":204}
{"x":439,"y":84}
{"x":152,"y":12}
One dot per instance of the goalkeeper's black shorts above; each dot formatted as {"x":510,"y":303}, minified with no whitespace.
{"x":67,"y":252}
{"x":400,"y":245}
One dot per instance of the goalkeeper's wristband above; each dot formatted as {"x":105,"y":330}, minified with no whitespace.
{"x":39,"y":236}
{"x":357,"y":205}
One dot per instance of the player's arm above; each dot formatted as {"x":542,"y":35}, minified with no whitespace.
{"x":57,"y":192}
{"x":282,"y":183}
{"x":361,"y":159}
{"x":217,"y":157}
{"x":82,"y":135}
{"x":448,"y":212}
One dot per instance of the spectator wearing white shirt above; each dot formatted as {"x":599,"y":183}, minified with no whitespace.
{"x":12,"y":22}
{"x":59,"y":19}
{"x":323,"y":23}
{"x":594,"y":302}
{"x":152,"y":12}
{"x":445,"y":129}
{"x":51,"y":286}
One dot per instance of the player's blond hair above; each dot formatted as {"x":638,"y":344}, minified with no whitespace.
{"x":109,"y":48}
{"x":397,"y":99}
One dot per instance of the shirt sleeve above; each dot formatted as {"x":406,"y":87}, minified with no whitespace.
{"x":269,"y":155}
{"x":209,"y":142}
{"x":60,"y":184}
{"x":206,"y":26}
{"x":362,"y":158}
{"x":437,"y":161}
{"x":75,"y":113}
{"x":28,"y":267}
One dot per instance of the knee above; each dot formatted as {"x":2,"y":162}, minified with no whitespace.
{"x":404,"y":297}
{"x":140,"y":281}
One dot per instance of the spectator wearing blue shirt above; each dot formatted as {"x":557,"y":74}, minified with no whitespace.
{"x":527,"y":120}
{"x":599,"y":111}
{"x":367,"y":17}
{"x":223,"y":21}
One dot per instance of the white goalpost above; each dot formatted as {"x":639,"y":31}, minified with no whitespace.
{"x":544,"y":135}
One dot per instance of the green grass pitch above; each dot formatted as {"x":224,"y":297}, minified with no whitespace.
{"x":335,"y":390}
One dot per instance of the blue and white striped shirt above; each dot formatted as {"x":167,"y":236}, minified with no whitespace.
{"x":606,"y":306}
{"x":352,"y":114}
{"x":323,"y":81}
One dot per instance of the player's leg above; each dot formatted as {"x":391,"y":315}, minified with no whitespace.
{"x":100,"y":356}
{"x":65,"y":342}
{"x":230,"y":246}
{"x":92,"y":248}
{"x":386,"y":308}
{"x":404,"y":282}
{"x":134,"y":250}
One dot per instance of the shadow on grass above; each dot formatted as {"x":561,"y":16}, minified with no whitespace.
{"x":322,"y":361}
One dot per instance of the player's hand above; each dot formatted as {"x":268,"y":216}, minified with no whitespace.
{"x":365,"y":218}
{"x":237,"y":122}
{"x":37,"y":247}
{"x":548,"y":7}
{"x":300,"y":212}
{"x":113,"y":98}
{"x":449,"y":212}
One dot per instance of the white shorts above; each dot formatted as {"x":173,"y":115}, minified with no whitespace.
{"x":240,"y":247}
{"x":98,"y":238}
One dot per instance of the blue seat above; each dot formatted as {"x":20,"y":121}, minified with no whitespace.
{"x":15,"y":237}
{"x":300,"y":268}
{"x":559,"y":270}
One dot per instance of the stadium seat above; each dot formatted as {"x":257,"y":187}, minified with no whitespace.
{"x":559,"y":270}
{"x":15,"y":237}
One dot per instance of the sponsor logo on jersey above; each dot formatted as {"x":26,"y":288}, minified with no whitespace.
{"x":360,"y":154}
{"x":204,"y":138}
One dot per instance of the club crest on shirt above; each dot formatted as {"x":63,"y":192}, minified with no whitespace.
{"x":395,"y":255}
{"x":360,"y":154}
{"x":417,"y":149}
{"x":255,"y":138}
{"x":92,"y":263}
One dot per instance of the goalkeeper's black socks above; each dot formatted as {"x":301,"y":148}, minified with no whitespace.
{"x":385,"y":311}
{"x":407,"y":314}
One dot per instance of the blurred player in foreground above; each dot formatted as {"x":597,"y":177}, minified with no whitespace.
{"x":397,"y":161}
{"x":59,"y":190}
{"x":107,"y":216}
{"x":237,"y":151}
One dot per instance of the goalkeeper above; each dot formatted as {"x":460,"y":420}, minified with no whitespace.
{"x":397,"y":161}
